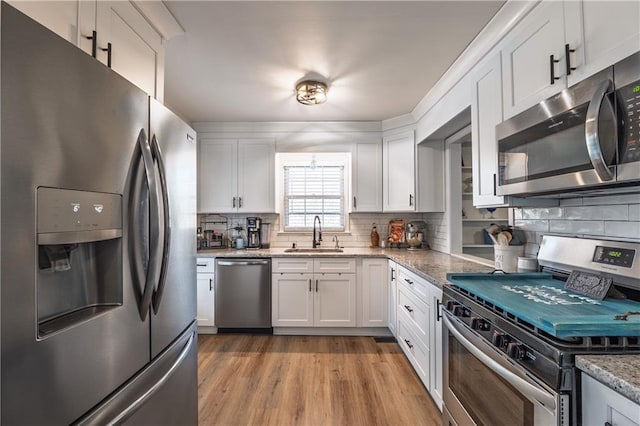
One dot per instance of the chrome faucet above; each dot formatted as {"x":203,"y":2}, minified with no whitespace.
{"x":316,"y":242}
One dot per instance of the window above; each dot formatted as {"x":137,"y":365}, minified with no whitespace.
{"x":315,"y":187}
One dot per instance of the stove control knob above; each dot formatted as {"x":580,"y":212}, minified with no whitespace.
{"x":516,"y":350}
{"x":451,"y":305}
{"x":506,"y":341}
{"x":480,"y":324}
{"x":497,"y":338}
{"x":461,"y":311}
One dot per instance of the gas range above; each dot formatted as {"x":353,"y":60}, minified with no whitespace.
{"x":531,"y":324}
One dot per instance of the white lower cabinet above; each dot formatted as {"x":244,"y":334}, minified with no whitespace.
{"x":602,"y":405}
{"x":292,"y":300}
{"x":334,"y":300}
{"x":373,"y":293}
{"x":307,"y":299}
{"x":205,"y":292}
{"x":392,"y":274}
{"x":419,"y":328}
{"x":436,"y":346}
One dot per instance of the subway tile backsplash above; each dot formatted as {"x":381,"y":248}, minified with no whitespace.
{"x":615,"y":217}
{"x":359,"y":234}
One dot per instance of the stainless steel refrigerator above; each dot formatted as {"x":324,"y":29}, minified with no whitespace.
{"x":98,"y":213}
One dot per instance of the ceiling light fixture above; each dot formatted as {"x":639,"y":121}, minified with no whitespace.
{"x":311,"y":92}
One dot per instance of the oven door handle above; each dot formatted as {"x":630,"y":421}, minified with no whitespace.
{"x":517,"y":382}
{"x":592,"y":136}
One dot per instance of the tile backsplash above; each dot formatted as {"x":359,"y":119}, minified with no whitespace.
{"x":359,"y":234}
{"x":615,"y":217}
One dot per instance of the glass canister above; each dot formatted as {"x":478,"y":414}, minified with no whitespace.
{"x":265,"y":235}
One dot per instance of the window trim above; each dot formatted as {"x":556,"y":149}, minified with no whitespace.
{"x":304,"y":159}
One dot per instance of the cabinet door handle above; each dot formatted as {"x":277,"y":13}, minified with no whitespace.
{"x":108,"y":50}
{"x":316,"y":286}
{"x":309,"y":285}
{"x":438,"y":312}
{"x":410,"y":200}
{"x":354,"y":202}
{"x":393,"y":276}
{"x":239,"y":202}
{"x":94,"y":43}
{"x":233,"y":202}
{"x":408,"y":308}
{"x":567,"y":58}
{"x":210,"y":284}
{"x":495,"y":184}
{"x":408,"y":342}
{"x":552,"y":70}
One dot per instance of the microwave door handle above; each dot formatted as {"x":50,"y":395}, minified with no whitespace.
{"x":592,"y":138}
{"x":517,"y":382}
{"x":166,"y":249}
{"x":154,"y":226}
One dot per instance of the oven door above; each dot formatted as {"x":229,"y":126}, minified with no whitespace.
{"x":483,"y":387}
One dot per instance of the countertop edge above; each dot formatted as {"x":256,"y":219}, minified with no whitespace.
{"x":430,"y":265}
{"x":620,"y":372}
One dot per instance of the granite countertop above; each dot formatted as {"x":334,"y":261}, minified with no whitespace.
{"x":620,"y":372}
{"x":429,"y":264}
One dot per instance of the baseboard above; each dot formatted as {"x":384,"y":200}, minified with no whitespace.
{"x":333,"y":331}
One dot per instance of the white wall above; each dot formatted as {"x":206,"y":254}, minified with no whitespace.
{"x":615,"y":217}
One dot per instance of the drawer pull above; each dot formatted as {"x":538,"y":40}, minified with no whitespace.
{"x":408,"y":308}
{"x":408,"y":281}
{"x":201,"y":264}
{"x":408,"y":342}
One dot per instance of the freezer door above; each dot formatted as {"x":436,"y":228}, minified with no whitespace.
{"x":164,"y":393}
{"x":68,"y":122}
{"x":173,"y":145}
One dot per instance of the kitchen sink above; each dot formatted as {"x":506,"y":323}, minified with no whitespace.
{"x":314,"y":250}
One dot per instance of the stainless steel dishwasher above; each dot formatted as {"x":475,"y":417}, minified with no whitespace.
{"x":243,"y":294}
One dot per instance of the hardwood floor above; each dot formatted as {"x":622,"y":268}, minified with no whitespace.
{"x":308,"y":380}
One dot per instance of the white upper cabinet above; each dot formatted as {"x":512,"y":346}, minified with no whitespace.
{"x":136,"y":53}
{"x":217,"y":175}
{"x":236,"y":176}
{"x":430,"y":176}
{"x":136,"y":48}
{"x":367,"y":177}
{"x":61,"y":17}
{"x":398,"y":172}
{"x":560,"y":43}
{"x":486,"y":113}
{"x":533,"y":58}
{"x":601,"y":33}
{"x":256,"y":175}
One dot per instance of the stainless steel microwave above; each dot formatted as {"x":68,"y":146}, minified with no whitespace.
{"x":584,"y":140}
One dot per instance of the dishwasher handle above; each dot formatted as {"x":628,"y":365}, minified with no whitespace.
{"x":242,"y":262}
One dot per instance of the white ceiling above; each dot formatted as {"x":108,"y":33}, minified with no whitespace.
{"x":240,"y":60}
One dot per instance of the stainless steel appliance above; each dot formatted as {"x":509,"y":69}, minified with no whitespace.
{"x":253,"y":232}
{"x":414,"y":235}
{"x":585,"y":138}
{"x":243,"y":294}
{"x":98,"y":241}
{"x":510,"y":340}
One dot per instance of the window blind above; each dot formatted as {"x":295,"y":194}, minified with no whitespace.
{"x":313,"y":191}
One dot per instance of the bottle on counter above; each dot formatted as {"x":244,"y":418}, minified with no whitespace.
{"x":375,"y":238}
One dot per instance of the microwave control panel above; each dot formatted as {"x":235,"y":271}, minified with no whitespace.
{"x":629,"y":96}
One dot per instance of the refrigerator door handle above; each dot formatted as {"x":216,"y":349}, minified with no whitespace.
{"x":166,"y":247}
{"x":154,"y":225}
{"x":135,"y":405}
